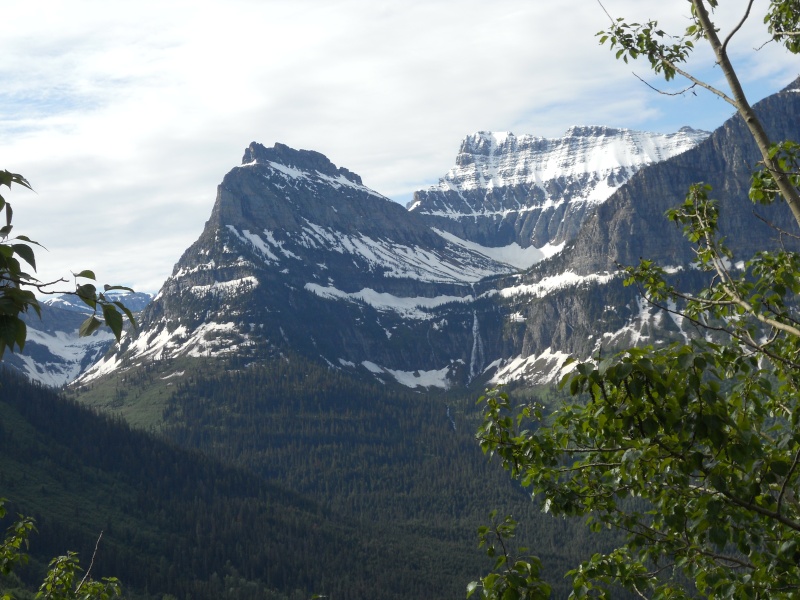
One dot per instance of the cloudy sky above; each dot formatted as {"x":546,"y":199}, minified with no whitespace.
{"x":126,"y":115}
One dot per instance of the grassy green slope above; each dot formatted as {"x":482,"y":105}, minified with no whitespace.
{"x":139,"y":393}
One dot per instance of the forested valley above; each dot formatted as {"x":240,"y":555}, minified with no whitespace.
{"x":278,"y":482}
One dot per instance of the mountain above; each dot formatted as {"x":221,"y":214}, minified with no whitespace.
{"x":535,"y":191}
{"x":574,"y":303}
{"x":395,"y":293}
{"x":54,"y":352}
{"x":442,"y":294}
{"x":135,"y":301}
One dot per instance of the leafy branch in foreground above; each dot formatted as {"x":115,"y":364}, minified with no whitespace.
{"x":60,"y":580}
{"x":18,"y":287}
{"x":513,"y":577}
{"x":17,"y":297}
{"x":752,"y":302}
{"x":668,"y":54}
{"x":692,"y":451}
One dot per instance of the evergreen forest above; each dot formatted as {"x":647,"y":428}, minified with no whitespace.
{"x":278,"y":481}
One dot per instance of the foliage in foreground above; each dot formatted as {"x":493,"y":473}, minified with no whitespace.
{"x":693,"y":450}
{"x":61,"y":580}
{"x":17,"y":287}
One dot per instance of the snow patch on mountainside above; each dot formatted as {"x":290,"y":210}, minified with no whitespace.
{"x":210,"y":339}
{"x":68,"y":349}
{"x":264,"y":247}
{"x":567,"y":279}
{"x":456,"y":264}
{"x":255,"y":241}
{"x":513,"y":254}
{"x":183,"y":272}
{"x":547,"y":367}
{"x":315,"y":176}
{"x":412,"y":379}
{"x":207,"y":340}
{"x":407,"y":308}
{"x":646,"y":326}
{"x":226,"y":288}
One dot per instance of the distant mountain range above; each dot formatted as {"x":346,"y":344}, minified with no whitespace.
{"x":54,"y":353}
{"x":407,"y":296}
{"x":496,"y":273}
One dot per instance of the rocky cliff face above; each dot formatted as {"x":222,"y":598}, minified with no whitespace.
{"x":299,"y":256}
{"x":626,"y":227}
{"x":535,"y":191}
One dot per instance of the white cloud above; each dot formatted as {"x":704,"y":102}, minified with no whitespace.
{"x":125,"y":116}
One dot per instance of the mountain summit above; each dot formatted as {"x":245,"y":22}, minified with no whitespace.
{"x":536,"y":191}
{"x":290,"y":236}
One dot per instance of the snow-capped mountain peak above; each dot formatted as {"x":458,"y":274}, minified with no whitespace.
{"x":301,"y":164}
{"x":536,"y":191}
{"x":492,"y":159}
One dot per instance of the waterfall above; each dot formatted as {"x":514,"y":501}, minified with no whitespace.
{"x":477,"y":358}
{"x":452,"y":421}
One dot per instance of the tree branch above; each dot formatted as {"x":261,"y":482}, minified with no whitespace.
{"x":662,"y":92}
{"x":91,"y":563}
{"x":781,"y":232}
{"x":788,"y":477}
{"x":788,"y":191}
{"x":699,"y":82}
{"x":738,"y":26}
{"x":762,"y":511}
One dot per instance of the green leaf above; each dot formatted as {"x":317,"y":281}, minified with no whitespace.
{"x":113,"y":319}
{"x":13,"y":331}
{"x":109,"y":288}
{"x":26,"y":253}
{"x":88,"y":294}
{"x":127,"y":312}
{"x":86,"y":274}
{"x":89,"y":326}
{"x":7,"y":178}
